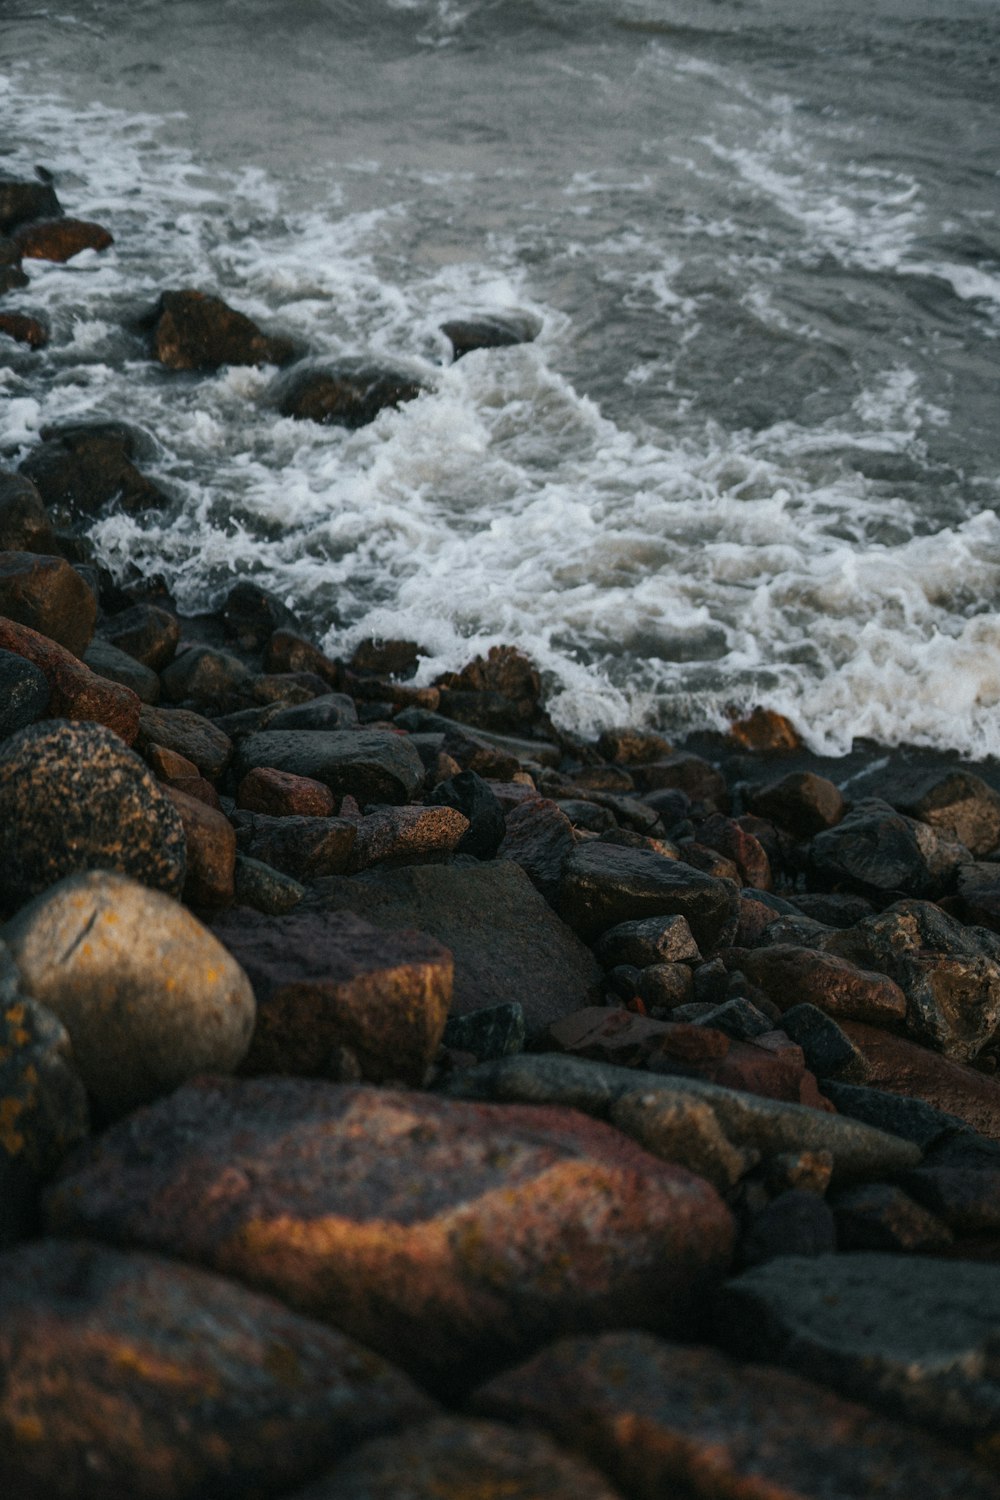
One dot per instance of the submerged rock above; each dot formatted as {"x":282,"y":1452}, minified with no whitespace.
{"x":191,"y":330}
{"x":349,"y":394}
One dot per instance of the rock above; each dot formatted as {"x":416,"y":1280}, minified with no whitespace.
{"x":500,"y":691}
{"x":445,"y":1230}
{"x":328,"y":711}
{"x":12,"y":278}
{"x":498,"y":1031}
{"x":48,"y":596}
{"x":21,"y":201}
{"x":901,"y":1067}
{"x":740,"y":1019}
{"x":538,"y":836}
{"x":24,"y":693}
{"x":288,"y":652}
{"x":807,"y":1171}
{"x":387,"y":658}
{"x":897,"y":1330}
{"x":802,"y":802}
{"x":144,"y":631}
{"x":833,"y":908}
{"x":348,"y":394}
{"x":764,"y":732}
{"x":305,"y":848}
{"x":958,"y":804}
{"x":507,"y":943}
{"x":74,"y":691}
{"x":470,"y":795}
{"x":653,"y":940}
{"x":188,"y":734}
{"x":729,"y":839}
{"x":880,"y":1216}
{"x":910,"y":1119}
{"x":665,"y":986}
{"x":685,"y":773}
{"x":251,"y":615}
{"x":287,"y":689}
{"x":792,"y":976}
{"x":767,"y":1125}
{"x":24,"y":329}
{"x":828,"y":1050}
{"x":210,"y":840}
{"x":620,"y":1036}
{"x":466,"y":334}
{"x":281,"y":795}
{"x":117,"y":666}
{"x":268,"y":890}
{"x":626,"y":746}
{"x":685,"y":1132}
{"x":154,"y":1379}
{"x":661,"y":1419}
{"x":327,"y":981}
{"x":872,"y":849}
{"x":74,"y":798}
{"x":80,"y":469}
{"x":603,"y":885}
{"x":148,"y":996}
{"x":959,"y":1182}
{"x":24,"y":522}
{"x":407,"y":833}
{"x":794,"y":1223}
{"x":372,"y":765}
{"x":59,"y":239}
{"x":193,"y":331}
{"x":206,"y":677}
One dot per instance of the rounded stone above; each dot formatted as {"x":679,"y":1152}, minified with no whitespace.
{"x":149,"y":997}
{"x":73,"y":797}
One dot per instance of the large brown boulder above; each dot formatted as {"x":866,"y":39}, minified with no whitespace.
{"x":23,"y":200}
{"x":348,"y":394}
{"x":75,"y":692}
{"x":24,"y":522}
{"x":457,"y":1235}
{"x":60,"y":239}
{"x":80,"y":468}
{"x":49,"y":596}
{"x":193,"y":331}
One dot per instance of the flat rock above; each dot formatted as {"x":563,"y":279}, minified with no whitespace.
{"x":24,"y":693}
{"x":75,"y":692}
{"x":899,"y":1066}
{"x":665,"y":1420}
{"x":124,"y":1374}
{"x":441,"y":1460}
{"x":149,"y":997}
{"x":373,"y":765}
{"x":451,"y":1233}
{"x":194,"y":331}
{"x":603,"y":885}
{"x":189,"y":734}
{"x":910,"y":1335}
{"x":507,"y":943}
{"x":326,"y":981}
{"x":74,"y":798}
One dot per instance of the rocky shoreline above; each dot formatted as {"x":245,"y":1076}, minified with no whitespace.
{"x":400,"y":1096}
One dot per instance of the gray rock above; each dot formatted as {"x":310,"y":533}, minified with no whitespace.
{"x":147,"y":994}
{"x":372,"y":765}
{"x":828,"y":1051}
{"x":605,"y":884}
{"x":683,"y":1131}
{"x":740,"y":1019}
{"x":956,"y":803}
{"x":73,"y":797}
{"x":880,"y":1216}
{"x":108,"y":661}
{"x":266,"y":889}
{"x":655,"y":940}
{"x":329,"y":711}
{"x":872,"y":849}
{"x":911,"y":1335}
{"x":24,"y":693}
{"x":498,"y":1031}
{"x":188,"y":734}
{"x":898,"y":1114}
{"x":300,"y":847}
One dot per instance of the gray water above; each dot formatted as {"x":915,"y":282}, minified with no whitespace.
{"x":751,"y":456}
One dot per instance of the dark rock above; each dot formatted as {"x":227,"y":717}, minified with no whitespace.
{"x":470,"y":795}
{"x":507,"y":943}
{"x":653,"y":940}
{"x":958,"y":804}
{"x":665,"y":986}
{"x":372,"y":765}
{"x":75,"y":692}
{"x":210,"y":840}
{"x":24,"y":693}
{"x":328,"y":711}
{"x":193,"y":331}
{"x":872,"y":849}
{"x":188,"y":734}
{"x":793,"y":1223}
{"x":288,"y":652}
{"x":12,"y":278}
{"x":404,"y":834}
{"x":910,"y":1119}
{"x":603,"y":885}
{"x":59,"y":239}
{"x":281,"y":795}
{"x":880,"y":1216}
{"x":152,"y":1379}
{"x":24,"y":329}
{"x":252,"y":614}
{"x":960,"y":1183}
{"x":686,"y":773}
{"x":386,"y":658}
{"x":746,"y":852}
{"x":74,"y":798}
{"x":587,"y":815}
{"x":538,"y":836}
{"x":902,"y":1067}
{"x":499,"y":691}
{"x":21,"y":201}
{"x":264,"y":888}
{"x":349,"y":394}
{"x":628,"y":747}
{"x":304,"y":848}
{"x":805,"y":1171}
{"x":833,"y":908}
{"x":498,"y":1031}
{"x":763,"y":731}
{"x":206,"y":677}
{"x":802,"y":802}
{"x":117,"y":666}
{"x":80,"y":469}
{"x":49,"y":596}
{"x":670,"y":804}
{"x":367,"y":1207}
{"x":665,"y":1420}
{"x":326,"y":981}
{"x":466,"y":334}
{"x":792,"y":976}
{"x":144,"y":631}
{"x":740,"y":1019}
{"x":287,"y":688}
{"x":900,"y":1331}
{"x":828,"y":1051}
{"x":24,"y":521}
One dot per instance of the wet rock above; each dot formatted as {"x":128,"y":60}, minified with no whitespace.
{"x":22,"y":200}
{"x":24,"y":522}
{"x":74,"y":691}
{"x":287,"y":651}
{"x":24,"y":329}
{"x":48,"y":596}
{"x":12,"y":278}
{"x":910,"y":1119}
{"x":902,"y":1067}
{"x":117,"y":666}
{"x":793,"y":1223}
{"x":59,"y":239}
{"x":368,"y":1207}
{"x":304,"y":848}
{"x":828,"y":1050}
{"x":74,"y":798}
{"x":153,"y":1379}
{"x":873,"y":849}
{"x":188,"y":734}
{"x":891,"y":1329}
{"x":207,"y":678}
{"x":328,"y":711}
{"x":538,"y":836}
{"x":144,"y":631}
{"x":507,"y":943}
{"x":407,"y":833}
{"x":685,"y":1132}
{"x":653,"y":940}
{"x":466,"y":334}
{"x":326,"y":981}
{"x":348,"y":394}
{"x":833,"y":908}
{"x":194,"y":331}
{"x":470,"y":795}
{"x":268,"y":890}
{"x":499,"y":691}
{"x":627,"y":747}
{"x":661,"y":1419}
{"x":792,"y":976}
{"x":733,"y":842}
{"x":79,"y":469}
{"x":251,"y":615}
{"x":587,"y":815}
{"x":386,"y":658}
{"x":665,"y":986}
{"x":740,"y":1019}
{"x":603,"y":885}
{"x":880,"y":1216}
{"x":291,"y":689}
{"x":498,"y":1031}
{"x":764,"y":732}
{"x":802,"y":802}
{"x":372,"y":765}
{"x":958,"y":804}
{"x":24,"y":693}
{"x":281,"y":795}
{"x":685,"y":773}
{"x":210,"y":840}
{"x":148,"y":996}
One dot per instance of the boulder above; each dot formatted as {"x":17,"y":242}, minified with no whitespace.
{"x":473,"y":798}
{"x":348,"y":394}
{"x":149,"y":997}
{"x":194,"y":331}
{"x":895,"y":1064}
{"x":288,"y":652}
{"x":683,"y":772}
{"x":74,"y":798}
{"x":188,"y":734}
{"x":126,"y":1374}
{"x":459,"y":1235}
{"x":210,"y":841}
{"x":22,"y":200}
{"x":735,"y":843}
{"x":958,"y":804}
{"x":538,"y":836}
{"x":268,"y":890}
{"x":24,"y":693}
{"x":802,"y":802}
{"x":603,"y":885}
{"x":208,"y":678}
{"x":145,"y":631}
{"x":791,"y":976}
{"x":873,"y":849}
{"x":399,"y":834}
{"x":498,"y":1031}
{"x":493,"y":332}
{"x":327,"y":711}
{"x":305,"y":848}
{"x":373,"y":765}
{"x":328,"y":981}
{"x":117,"y":666}
{"x":24,"y":329}
{"x":652,"y":940}
{"x":24,"y":522}
{"x":282,"y":795}
{"x":665,"y":1420}
{"x":251,"y":615}
{"x":79,"y":469}
{"x":75,"y":692}
{"x":763,"y":731}
{"x":59,"y":239}
{"x":48,"y":596}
